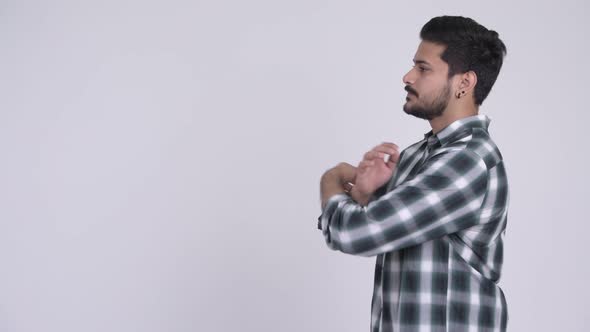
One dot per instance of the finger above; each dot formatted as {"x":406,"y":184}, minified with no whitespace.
{"x":370,"y":155}
{"x":363,"y":165}
{"x":386,"y":149}
{"x":365,"y":168}
{"x":393,"y":159}
{"x":391,"y":152}
{"x":375,"y":155}
{"x":385,"y":145}
{"x":382,"y":156}
{"x":389,"y":144}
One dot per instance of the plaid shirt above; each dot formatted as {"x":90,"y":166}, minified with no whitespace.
{"x":436,"y":229}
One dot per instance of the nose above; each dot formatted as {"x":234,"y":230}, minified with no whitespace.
{"x":408,"y":78}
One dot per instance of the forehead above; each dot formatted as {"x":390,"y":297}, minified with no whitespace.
{"x":430,"y":53}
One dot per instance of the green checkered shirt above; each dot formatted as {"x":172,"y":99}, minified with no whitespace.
{"x":436,"y":230}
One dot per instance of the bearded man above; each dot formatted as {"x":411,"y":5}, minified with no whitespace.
{"x":434,"y":215}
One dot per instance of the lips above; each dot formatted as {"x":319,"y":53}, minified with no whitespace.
{"x":410,"y":91}
{"x":409,"y":95}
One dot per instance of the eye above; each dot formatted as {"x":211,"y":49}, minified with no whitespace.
{"x":421,"y":68}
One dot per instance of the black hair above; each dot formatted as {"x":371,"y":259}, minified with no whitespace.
{"x":469,"y":46}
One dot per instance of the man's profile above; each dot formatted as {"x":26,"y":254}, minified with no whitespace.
{"x":435,"y":214}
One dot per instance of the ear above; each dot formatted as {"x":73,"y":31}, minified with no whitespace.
{"x":467,"y":82}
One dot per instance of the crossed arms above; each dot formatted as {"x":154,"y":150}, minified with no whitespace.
{"x":444,"y":197}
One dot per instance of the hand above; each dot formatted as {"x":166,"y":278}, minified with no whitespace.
{"x":373,"y":171}
{"x":344,"y":172}
{"x":333,"y":181}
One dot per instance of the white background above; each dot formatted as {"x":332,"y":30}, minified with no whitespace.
{"x":160,"y":160}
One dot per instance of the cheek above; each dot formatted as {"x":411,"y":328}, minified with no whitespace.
{"x":428,"y":88}
{"x":423,"y":91}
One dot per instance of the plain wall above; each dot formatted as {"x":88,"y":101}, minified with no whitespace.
{"x":160,"y":160}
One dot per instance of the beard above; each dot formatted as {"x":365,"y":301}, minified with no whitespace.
{"x":431,"y":110}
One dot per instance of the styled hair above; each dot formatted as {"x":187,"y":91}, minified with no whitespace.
{"x":469,"y":47}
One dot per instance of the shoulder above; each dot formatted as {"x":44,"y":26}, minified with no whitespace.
{"x":482,"y":144}
{"x":474,"y":143}
{"x":456,"y":161}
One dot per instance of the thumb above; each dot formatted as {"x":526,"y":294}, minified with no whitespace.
{"x":391,"y":163}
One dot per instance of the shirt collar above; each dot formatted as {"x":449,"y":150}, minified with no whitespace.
{"x":458,"y":126}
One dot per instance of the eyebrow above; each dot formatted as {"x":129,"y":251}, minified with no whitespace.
{"x":421,"y":62}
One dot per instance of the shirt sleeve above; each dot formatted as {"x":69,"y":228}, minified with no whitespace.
{"x":443,"y":198}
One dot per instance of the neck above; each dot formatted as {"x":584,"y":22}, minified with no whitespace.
{"x":450,"y":115}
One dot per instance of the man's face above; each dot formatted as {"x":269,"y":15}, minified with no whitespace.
{"x":427,"y":83}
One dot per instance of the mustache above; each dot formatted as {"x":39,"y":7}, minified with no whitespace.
{"x":410,"y":90}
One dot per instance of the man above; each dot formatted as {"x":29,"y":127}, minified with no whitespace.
{"x":434,"y":215}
